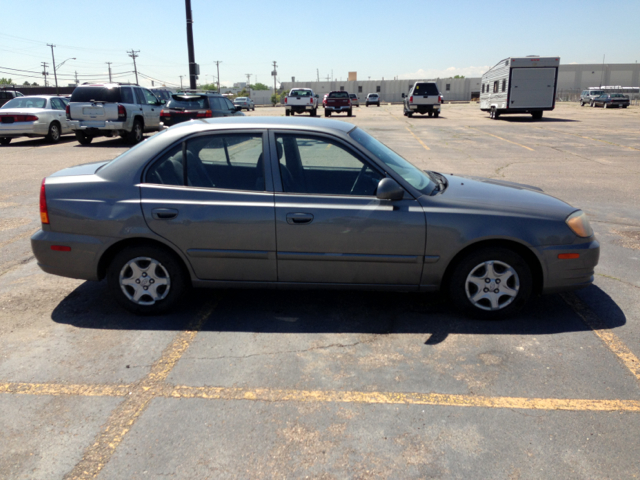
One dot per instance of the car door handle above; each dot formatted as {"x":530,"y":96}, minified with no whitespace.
{"x":299,"y":218}
{"x":164,"y":213}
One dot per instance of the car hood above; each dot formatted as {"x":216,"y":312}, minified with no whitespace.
{"x":498,"y":196}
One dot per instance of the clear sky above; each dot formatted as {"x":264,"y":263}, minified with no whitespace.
{"x":377,"y":39}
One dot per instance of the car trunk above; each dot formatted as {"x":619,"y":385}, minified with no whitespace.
{"x":182,"y":108}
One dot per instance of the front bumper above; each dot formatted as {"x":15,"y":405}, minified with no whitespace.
{"x":569,"y":274}
{"x":81,"y":262}
{"x":107,"y":125}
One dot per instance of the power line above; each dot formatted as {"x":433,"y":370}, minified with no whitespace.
{"x":133,"y":54}
{"x":218,"y":62}
{"x":109,"y":64}
{"x":44,"y":72}
{"x":55,"y":75}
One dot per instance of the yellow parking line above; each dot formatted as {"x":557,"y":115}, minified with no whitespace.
{"x":275,"y":395}
{"x":125,"y":415}
{"x":503,"y":139}
{"x":59,"y":389}
{"x":416,"y":137}
{"x":603,"y":331}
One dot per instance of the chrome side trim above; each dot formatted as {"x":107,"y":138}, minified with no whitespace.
{"x":431,"y":258}
{"x":210,"y":253}
{"x":347,"y":257}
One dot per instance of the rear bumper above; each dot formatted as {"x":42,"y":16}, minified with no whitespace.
{"x":81,"y":262}
{"x":300,"y":108}
{"x":337,"y":109}
{"x":424,"y":108}
{"x":563,"y":275}
{"x":102,"y":125}
{"x":23,"y":129}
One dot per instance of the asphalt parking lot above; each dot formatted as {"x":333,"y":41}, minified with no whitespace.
{"x":266,"y":384}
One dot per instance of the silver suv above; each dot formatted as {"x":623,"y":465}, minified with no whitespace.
{"x":112,"y":109}
{"x":587,"y":96}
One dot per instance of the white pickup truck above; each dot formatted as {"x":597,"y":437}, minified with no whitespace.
{"x":423,"y":97}
{"x":301,"y":100}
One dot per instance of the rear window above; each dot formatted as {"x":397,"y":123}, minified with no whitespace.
{"x":373,"y":95}
{"x":99,"y":94}
{"x":300,"y":93}
{"x":242,"y":99}
{"x":26,"y":102}
{"x":596,"y":92}
{"x":352,"y":95}
{"x":188,"y":102}
{"x":338,"y":95}
{"x":426,"y":89}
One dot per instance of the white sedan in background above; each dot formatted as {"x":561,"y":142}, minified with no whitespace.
{"x":34,"y":116}
{"x":244,"y":102}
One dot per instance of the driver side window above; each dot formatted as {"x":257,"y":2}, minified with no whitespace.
{"x":317,"y":165}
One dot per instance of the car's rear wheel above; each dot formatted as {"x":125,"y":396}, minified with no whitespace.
{"x":581,"y":103}
{"x":314,"y":112}
{"x":83,"y":138}
{"x":137,"y":133}
{"x":350,"y":113}
{"x":536,"y":115}
{"x":430,"y":114}
{"x":5,"y":141}
{"x":146,"y":280}
{"x":491,"y":283}
{"x":378,"y":103}
{"x":54,"y":132}
{"x":436,"y":114}
{"x":410,"y":114}
{"x":286,"y":113}
{"x":593,"y":104}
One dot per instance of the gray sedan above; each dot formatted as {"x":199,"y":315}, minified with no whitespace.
{"x":279,"y":202}
{"x":34,"y":116}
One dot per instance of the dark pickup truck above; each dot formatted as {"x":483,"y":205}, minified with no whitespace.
{"x":338,"y":102}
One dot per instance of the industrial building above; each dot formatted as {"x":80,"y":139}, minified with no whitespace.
{"x":572,"y":79}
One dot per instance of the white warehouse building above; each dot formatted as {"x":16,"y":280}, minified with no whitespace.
{"x":572,"y":79}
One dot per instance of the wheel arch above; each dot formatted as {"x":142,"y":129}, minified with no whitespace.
{"x":524,"y":251}
{"x":109,"y":254}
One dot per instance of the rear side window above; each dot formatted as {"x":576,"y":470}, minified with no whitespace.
{"x":126,"y":95}
{"x":168,"y":169}
{"x":98,"y":94}
{"x":426,"y":89}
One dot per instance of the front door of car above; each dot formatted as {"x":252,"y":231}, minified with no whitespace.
{"x":59,"y":113}
{"x":222,"y":216}
{"x":330,"y":226}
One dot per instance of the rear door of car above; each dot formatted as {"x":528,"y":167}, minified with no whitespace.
{"x":152,"y":110}
{"x":330,"y":226}
{"x":58,"y":112}
{"x":222,"y":217}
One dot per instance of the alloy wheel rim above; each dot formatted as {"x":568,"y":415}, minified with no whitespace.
{"x":144,"y":281}
{"x":492,"y":285}
{"x":55,"y":133}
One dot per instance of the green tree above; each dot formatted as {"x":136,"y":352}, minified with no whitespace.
{"x":6,"y":81}
{"x":275,"y":99}
{"x":259,"y":86}
{"x":459,"y":76}
{"x":209,"y":86}
{"x":26,"y":84}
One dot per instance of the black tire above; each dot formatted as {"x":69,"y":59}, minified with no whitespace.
{"x":350,"y":113}
{"x":327,"y":113}
{"x":430,"y":114}
{"x":378,"y":103}
{"x":5,"y":141}
{"x":593,"y":104}
{"x":536,"y":115}
{"x":581,"y":103}
{"x":54,"y":132}
{"x":137,"y":132}
{"x":410,"y":114}
{"x":314,"y":112}
{"x":170,"y":268}
{"x":625,"y":106}
{"x":436,"y":114}
{"x":507,"y":305}
{"x":83,"y":138}
{"x":287,"y":113}
{"x":367,"y":105}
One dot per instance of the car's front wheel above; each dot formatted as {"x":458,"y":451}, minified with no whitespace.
{"x":54,"y":132}
{"x":146,"y":280}
{"x":491,"y":283}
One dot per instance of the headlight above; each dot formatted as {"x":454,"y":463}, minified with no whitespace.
{"x":579,"y":224}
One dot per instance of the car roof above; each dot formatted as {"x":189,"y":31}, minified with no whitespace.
{"x":273,"y":122}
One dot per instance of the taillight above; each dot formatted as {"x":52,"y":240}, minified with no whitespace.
{"x":22,"y":118}
{"x":311,"y":100}
{"x":440,"y":100}
{"x":44,"y":213}
{"x":164,"y":113}
{"x":68,"y":112}
{"x":411,"y":99}
{"x":285,"y":99}
{"x":206,"y":114}
{"x":122,"y":113}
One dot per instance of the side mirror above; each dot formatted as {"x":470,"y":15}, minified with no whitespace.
{"x":388,"y":189}
{"x":403,"y":95}
{"x":317,"y":96}
{"x":161,"y":102}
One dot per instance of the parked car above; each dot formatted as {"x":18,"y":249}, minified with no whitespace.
{"x":423,"y":97}
{"x":184,"y":107}
{"x":34,"y":116}
{"x":372,"y":99}
{"x":264,"y":202}
{"x":587,"y":96}
{"x":355,"y":101}
{"x":337,"y":102}
{"x":163,"y":93}
{"x":608,"y":100}
{"x":301,"y":100}
{"x":110,"y":109}
{"x":244,"y":102}
{"x":6,"y":95}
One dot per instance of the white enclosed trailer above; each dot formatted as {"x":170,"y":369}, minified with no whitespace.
{"x":520,"y":85}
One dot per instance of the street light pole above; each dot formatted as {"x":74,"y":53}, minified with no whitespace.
{"x":54,"y":65}
{"x":192,"y":57}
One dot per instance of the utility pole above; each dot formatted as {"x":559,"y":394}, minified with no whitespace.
{"x":44,"y":72}
{"x":248,"y":79}
{"x":181,"y":80}
{"x":109,"y":63}
{"x":134,"y":54}
{"x":274,"y":72}
{"x":218,"y":62}
{"x":76,"y":72}
{"x":193,"y":73}
{"x":55,"y":75}
{"x":318,"y":74}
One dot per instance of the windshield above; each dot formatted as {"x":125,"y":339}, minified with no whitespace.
{"x":300,"y":93}
{"x":338,"y":95}
{"x":26,"y":102}
{"x":411,"y":174}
